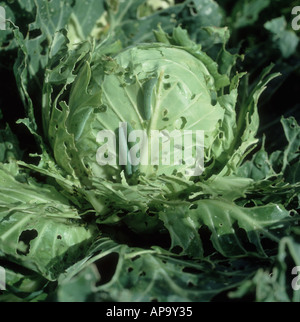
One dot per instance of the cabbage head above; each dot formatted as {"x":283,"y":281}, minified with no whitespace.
{"x":115,"y":100}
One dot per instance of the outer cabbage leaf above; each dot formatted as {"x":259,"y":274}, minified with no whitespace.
{"x":277,"y":174}
{"x":39,"y":228}
{"x":233,"y":229}
{"x":148,"y":275}
{"x":279,"y":282}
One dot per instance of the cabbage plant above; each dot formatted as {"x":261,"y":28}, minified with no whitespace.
{"x":146,"y":156}
{"x":170,"y":87}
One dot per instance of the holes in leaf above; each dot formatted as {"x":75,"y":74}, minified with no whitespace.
{"x":214,"y":99}
{"x":269,"y":246}
{"x":175,"y":171}
{"x":250,"y":204}
{"x":44,"y":46}
{"x":101,"y":109}
{"x":180,"y":123}
{"x":205,"y":236}
{"x":9,"y":146}
{"x":24,"y":241}
{"x":167,"y":86}
{"x":35,"y":33}
{"x":135,"y":258}
{"x":107,"y":267}
{"x":293,"y":213}
{"x":241,"y":234}
{"x":129,"y":79}
{"x":177,"y":250}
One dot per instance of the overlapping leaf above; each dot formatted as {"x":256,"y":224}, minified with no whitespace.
{"x":39,"y":229}
{"x":147,"y":275}
{"x":233,"y":229}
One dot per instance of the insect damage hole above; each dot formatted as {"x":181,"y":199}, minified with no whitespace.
{"x":107,"y":266}
{"x":24,"y":241}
